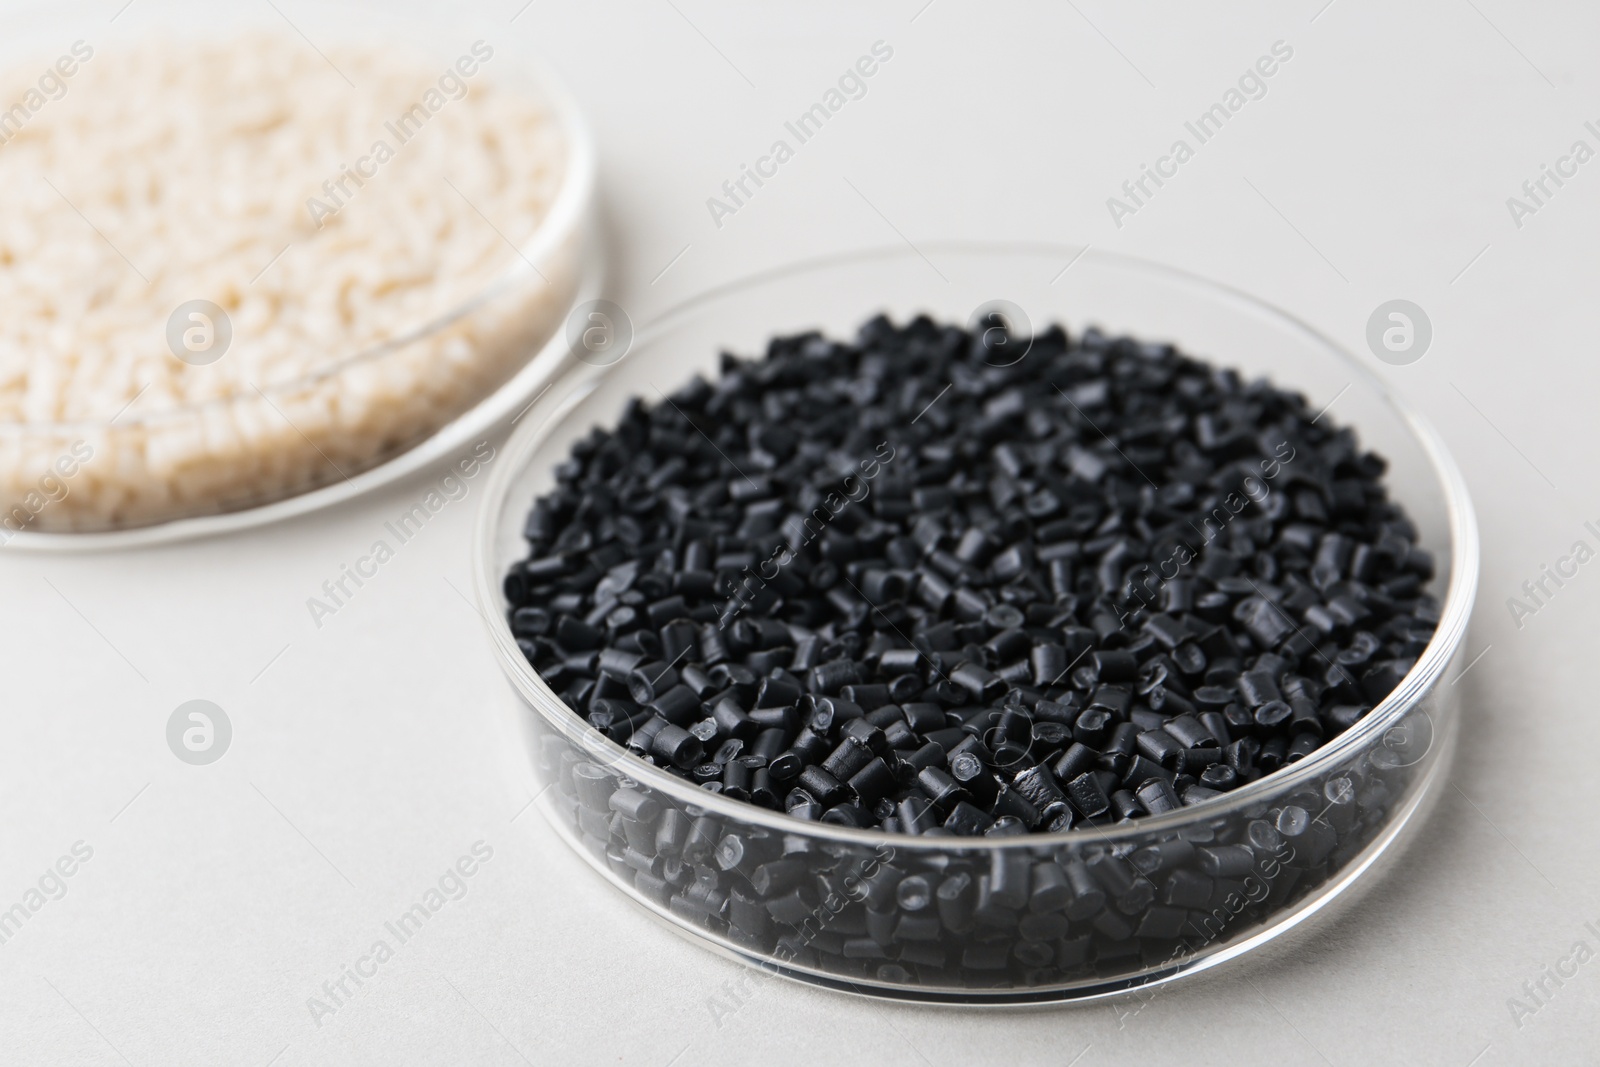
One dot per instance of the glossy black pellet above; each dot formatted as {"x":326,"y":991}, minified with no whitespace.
{"x":1304,"y":718}
{"x":736,"y":776}
{"x":593,"y":786}
{"x":807,"y":748}
{"x":1226,"y":861}
{"x":955,"y":899}
{"x":1302,"y":746}
{"x":974,"y":777}
{"x":847,"y":758}
{"x":829,"y":714}
{"x":1140,"y":770}
{"x":1114,"y":699}
{"x":922,"y":717}
{"x":678,"y":705}
{"x":732,"y":721}
{"x":1258,"y":687}
{"x":1093,"y":727}
{"x":1157,"y":795}
{"x":980,"y":683}
{"x":867,"y":697}
{"x":873,"y":781}
{"x":676,"y":746}
{"x":1088,"y":795}
{"x":900,"y":735}
{"x":947,"y":739}
{"x":1124,"y":805}
{"x":639,"y":807}
{"x":917,"y":815}
{"x":672,"y":830}
{"x":801,"y":806}
{"x":829,"y":678}
{"x":928,"y":755}
{"x":967,"y":821}
{"x":1111,"y":666}
{"x":704,"y":833}
{"x":822,"y":786}
{"x":866,"y":733}
{"x":848,"y":815}
{"x":786,"y":719}
{"x":1077,"y":759}
{"x":1190,"y":732}
{"x":1161,"y":747}
{"x":1162,"y":856}
{"x":966,"y":604}
{"x":943,"y":790}
{"x":618,"y":719}
{"x":1216,"y":725}
{"x":1008,"y":804}
{"x":1142,"y":718}
{"x":1137,"y":898}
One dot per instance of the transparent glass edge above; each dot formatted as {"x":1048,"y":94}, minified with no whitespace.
{"x":1099,"y":988}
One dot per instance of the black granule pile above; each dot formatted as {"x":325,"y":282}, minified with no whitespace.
{"x":919,"y":583}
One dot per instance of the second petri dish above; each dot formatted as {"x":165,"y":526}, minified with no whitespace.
{"x":402,"y":306}
{"x":1132,"y":911}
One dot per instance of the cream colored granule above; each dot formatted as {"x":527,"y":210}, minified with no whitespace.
{"x":169,"y":173}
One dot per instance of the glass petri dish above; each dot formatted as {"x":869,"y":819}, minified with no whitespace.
{"x":1090,"y":912}
{"x":171,"y":473}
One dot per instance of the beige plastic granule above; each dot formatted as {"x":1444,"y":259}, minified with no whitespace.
{"x":329,"y":223}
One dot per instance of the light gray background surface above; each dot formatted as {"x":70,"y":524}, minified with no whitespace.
{"x":366,"y":754}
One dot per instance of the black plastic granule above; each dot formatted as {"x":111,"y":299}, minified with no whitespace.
{"x":891,"y":584}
